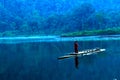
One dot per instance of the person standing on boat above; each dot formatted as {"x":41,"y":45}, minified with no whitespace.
{"x":76,"y":52}
{"x":76,"y":46}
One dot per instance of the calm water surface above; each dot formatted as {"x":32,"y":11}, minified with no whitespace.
{"x":38,"y":61}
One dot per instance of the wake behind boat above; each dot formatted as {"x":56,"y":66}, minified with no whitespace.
{"x":83,"y":53}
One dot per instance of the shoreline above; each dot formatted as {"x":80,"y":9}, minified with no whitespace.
{"x":14,"y":40}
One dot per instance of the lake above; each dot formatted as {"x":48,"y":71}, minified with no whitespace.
{"x":35,"y":58}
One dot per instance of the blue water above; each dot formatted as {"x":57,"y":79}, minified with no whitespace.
{"x":36,"y":57}
{"x":38,"y":61}
{"x":14,"y":40}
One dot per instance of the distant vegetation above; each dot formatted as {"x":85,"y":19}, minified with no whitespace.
{"x":21,"y":18}
{"x":109,"y":31}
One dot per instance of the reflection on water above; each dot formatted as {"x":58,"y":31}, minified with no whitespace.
{"x":38,"y":61}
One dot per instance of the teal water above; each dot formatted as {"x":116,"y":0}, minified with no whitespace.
{"x":35,"y":58}
{"x":38,"y":61}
